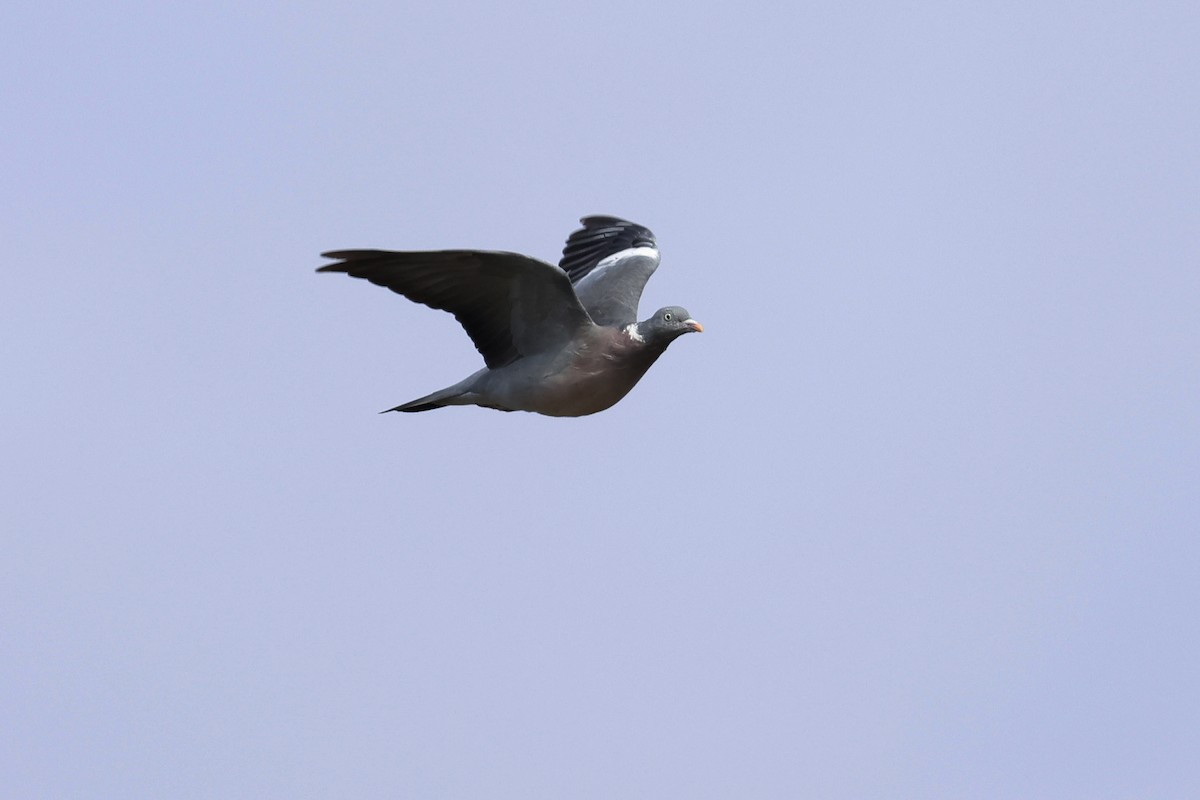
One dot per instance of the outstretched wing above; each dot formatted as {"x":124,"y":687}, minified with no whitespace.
{"x":609,"y":261}
{"x":510,"y":305}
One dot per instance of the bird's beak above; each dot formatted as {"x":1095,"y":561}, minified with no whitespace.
{"x":696,"y":326}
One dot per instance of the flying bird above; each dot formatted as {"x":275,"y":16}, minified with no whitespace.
{"x":563,"y":341}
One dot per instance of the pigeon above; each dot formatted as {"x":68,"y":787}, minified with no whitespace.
{"x":563,"y":340}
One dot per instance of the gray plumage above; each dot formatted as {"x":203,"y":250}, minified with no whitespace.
{"x":562,"y":341}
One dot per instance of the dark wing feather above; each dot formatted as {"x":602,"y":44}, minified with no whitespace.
{"x":610,"y":285}
{"x":599,"y":238}
{"x":509,"y":304}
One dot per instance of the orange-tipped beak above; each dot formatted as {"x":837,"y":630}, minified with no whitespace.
{"x":696,"y":326}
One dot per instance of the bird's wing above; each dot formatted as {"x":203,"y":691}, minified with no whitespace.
{"x":510,"y":305}
{"x":609,"y":261}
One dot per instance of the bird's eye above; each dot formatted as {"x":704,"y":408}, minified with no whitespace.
{"x":667,"y":316}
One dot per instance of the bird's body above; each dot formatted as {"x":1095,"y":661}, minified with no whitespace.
{"x":561,"y":341}
{"x":590,"y":376}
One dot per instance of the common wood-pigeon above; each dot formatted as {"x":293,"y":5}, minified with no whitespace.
{"x":562,"y":341}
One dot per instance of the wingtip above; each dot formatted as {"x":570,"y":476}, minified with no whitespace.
{"x":592,"y":220}
{"x":343,"y":259}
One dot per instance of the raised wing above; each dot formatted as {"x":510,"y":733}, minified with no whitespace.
{"x":609,"y":261}
{"x":510,"y":305}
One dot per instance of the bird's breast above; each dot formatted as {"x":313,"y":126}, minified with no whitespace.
{"x":590,"y":377}
{"x":596,"y":378}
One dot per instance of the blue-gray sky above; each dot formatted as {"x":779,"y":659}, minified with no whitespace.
{"x":917,"y":516}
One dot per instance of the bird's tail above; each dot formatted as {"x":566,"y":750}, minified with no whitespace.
{"x":451,"y":396}
{"x":414,"y":406}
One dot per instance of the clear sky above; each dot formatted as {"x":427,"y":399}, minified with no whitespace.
{"x":916,"y":517}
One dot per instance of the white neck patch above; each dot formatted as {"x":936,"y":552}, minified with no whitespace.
{"x":632,"y":330}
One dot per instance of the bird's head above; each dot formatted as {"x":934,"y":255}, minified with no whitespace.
{"x":668,"y":324}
